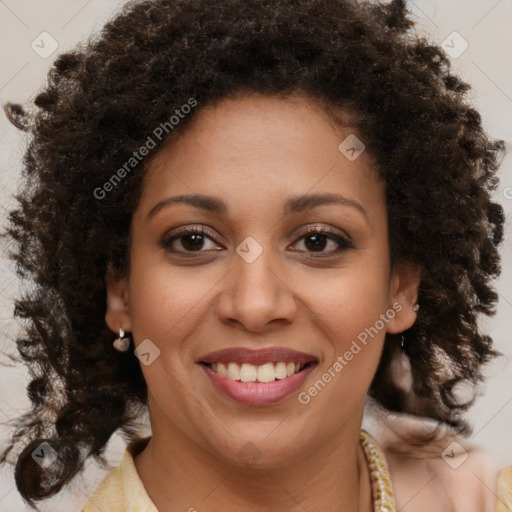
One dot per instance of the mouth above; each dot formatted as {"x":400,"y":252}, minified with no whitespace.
{"x":258,"y":385}
{"x":265,"y":373}
{"x":263,"y":365}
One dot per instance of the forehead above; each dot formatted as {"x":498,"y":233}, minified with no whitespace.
{"x":257,"y":149}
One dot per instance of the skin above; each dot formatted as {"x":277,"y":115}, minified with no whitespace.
{"x":254,"y":152}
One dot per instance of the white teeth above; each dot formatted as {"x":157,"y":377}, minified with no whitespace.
{"x":250,"y":373}
{"x":281,"y":372}
{"x":266,"y":373}
{"x":222,"y":369}
{"x":233,"y":371}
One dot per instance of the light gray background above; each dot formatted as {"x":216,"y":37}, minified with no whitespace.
{"x":484,"y":24}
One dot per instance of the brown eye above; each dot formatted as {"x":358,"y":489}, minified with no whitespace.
{"x":316,"y":242}
{"x":192,"y":241}
{"x":317,"y":239}
{"x":187,"y":240}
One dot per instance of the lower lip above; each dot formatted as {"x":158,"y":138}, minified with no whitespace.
{"x":258,"y":393}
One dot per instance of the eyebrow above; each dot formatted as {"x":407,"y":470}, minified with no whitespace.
{"x":293,"y":205}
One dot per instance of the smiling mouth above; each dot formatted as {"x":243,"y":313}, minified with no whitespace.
{"x":265,"y":373}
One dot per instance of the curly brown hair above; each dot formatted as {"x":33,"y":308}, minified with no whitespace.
{"x":104,"y":98}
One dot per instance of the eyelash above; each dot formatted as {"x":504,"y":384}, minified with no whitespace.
{"x":344,"y":244}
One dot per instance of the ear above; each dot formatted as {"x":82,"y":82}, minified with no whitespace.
{"x":117,"y":315}
{"x":403,"y":293}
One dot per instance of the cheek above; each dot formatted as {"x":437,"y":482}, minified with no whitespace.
{"x":350,"y":301}
{"x":167,"y":302}
{"x":349,"y":313}
{"x":165,"y":298}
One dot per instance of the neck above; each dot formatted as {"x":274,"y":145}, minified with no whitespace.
{"x":180,"y":475}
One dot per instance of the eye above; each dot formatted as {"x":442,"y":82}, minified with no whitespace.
{"x":191,"y":239}
{"x":317,"y":239}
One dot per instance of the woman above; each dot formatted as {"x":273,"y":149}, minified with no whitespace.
{"x":249,"y":217}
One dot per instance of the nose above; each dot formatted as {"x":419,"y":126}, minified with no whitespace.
{"x":256,"y":295}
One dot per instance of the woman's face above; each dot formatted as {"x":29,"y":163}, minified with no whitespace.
{"x":255,"y":278}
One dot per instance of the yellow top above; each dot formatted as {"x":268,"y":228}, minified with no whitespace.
{"x":122,"y":490}
{"x":505,"y":490}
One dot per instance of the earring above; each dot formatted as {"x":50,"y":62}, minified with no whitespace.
{"x":402,"y":339}
{"x":122,"y":344}
{"x":401,"y":369}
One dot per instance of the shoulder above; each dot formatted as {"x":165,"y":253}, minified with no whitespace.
{"x":121,"y":490}
{"x":505,"y":490}
{"x":447,"y":471}
{"x":109,"y":493}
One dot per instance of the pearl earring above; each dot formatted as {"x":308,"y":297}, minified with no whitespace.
{"x":122,"y":344}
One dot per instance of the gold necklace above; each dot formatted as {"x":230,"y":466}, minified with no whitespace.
{"x":382,"y":492}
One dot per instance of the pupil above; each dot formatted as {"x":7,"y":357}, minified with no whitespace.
{"x":196,"y":244}
{"x":317,"y":244}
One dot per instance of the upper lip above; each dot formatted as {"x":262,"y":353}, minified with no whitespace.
{"x":257,"y":357}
